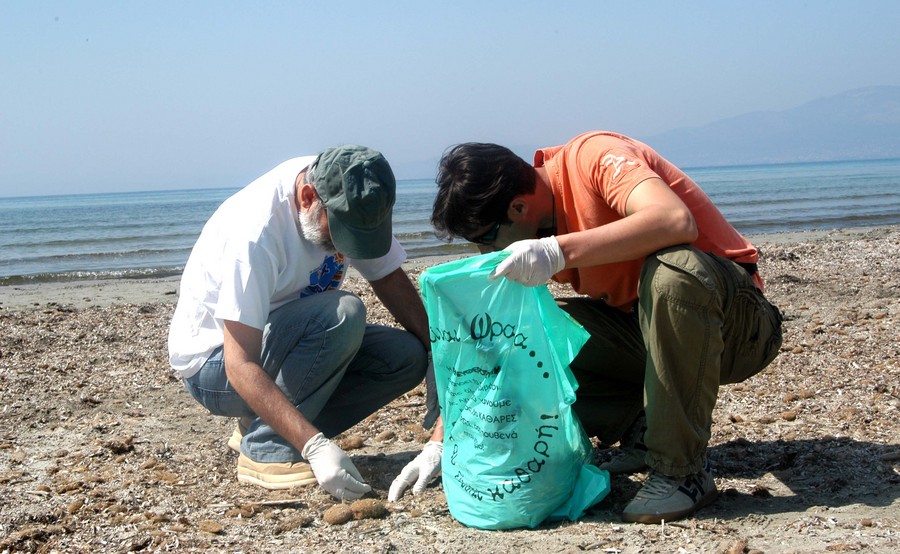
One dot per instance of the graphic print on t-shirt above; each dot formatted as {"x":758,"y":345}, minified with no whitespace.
{"x":326,"y":277}
{"x":617,"y":162}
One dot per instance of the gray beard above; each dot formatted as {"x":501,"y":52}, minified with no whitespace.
{"x":309,"y":228}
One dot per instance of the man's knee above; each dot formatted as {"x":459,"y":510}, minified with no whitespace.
{"x":351,"y":315}
{"x":679,"y":273}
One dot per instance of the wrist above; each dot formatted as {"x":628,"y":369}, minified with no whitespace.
{"x":312,"y":444}
{"x":555,"y":251}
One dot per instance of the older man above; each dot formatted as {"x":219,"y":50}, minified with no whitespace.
{"x":261,"y":331}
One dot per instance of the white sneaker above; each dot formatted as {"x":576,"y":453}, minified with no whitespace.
{"x":668,"y":498}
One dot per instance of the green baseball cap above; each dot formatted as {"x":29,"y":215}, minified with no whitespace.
{"x":358,"y":189}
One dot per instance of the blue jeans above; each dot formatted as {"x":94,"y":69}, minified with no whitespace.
{"x":335,"y":368}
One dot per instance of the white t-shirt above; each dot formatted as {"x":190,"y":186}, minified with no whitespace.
{"x":249,"y":260}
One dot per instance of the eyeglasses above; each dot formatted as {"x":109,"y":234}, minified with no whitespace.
{"x":489,"y":236}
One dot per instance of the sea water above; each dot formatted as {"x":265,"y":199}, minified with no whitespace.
{"x":150,"y":234}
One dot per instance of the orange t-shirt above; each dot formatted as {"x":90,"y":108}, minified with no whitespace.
{"x":593,"y":175}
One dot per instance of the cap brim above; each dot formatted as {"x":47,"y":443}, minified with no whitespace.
{"x":362,"y":244}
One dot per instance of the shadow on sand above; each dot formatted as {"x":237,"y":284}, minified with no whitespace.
{"x":771,"y":477}
{"x":765,"y":477}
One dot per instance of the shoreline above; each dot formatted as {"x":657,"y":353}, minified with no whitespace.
{"x":107,"y":292}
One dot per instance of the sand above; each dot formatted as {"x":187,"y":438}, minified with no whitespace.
{"x":102,"y":450}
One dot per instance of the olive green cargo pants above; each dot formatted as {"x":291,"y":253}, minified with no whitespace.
{"x":699,"y":322}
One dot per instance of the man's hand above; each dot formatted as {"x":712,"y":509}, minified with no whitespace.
{"x":333,"y":469}
{"x":425,"y":467}
{"x":531,"y":262}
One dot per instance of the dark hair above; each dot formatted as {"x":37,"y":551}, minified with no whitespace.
{"x":476,"y":182}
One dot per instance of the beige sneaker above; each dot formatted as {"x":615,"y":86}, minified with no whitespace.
{"x":234,"y":441}
{"x":274,"y":475}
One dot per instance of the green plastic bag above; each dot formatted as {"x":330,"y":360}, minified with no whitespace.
{"x":515,"y":453}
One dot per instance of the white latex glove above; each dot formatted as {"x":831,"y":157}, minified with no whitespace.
{"x":425,"y":467}
{"x":333,"y":469}
{"x":531,"y":262}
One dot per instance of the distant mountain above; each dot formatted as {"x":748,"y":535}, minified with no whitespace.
{"x":855,"y":125}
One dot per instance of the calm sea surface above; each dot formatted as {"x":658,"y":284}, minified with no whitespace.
{"x":150,"y":234}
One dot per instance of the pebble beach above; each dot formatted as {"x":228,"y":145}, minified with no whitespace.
{"x":102,"y":450}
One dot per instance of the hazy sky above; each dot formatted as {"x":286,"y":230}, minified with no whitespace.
{"x":120,"y":96}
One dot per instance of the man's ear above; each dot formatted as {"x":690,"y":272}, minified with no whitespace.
{"x":518,"y":208}
{"x":307,"y":196}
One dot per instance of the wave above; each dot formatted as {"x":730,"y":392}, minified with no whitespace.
{"x":856,"y":199}
{"x":65,"y":276}
{"x":104,"y":241}
{"x":817,"y":222}
{"x":96,"y":256}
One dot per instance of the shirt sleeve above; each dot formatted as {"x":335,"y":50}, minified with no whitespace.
{"x":613,"y":171}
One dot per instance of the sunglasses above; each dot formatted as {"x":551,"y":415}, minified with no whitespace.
{"x":489,"y":236}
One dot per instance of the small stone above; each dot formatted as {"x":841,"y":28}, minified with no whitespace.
{"x":385,"y":436}
{"x":866,"y":522}
{"x":245,"y":512}
{"x":368,"y":508}
{"x":120,"y":445}
{"x":158,"y":518}
{"x":68,"y":487}
{"x":352,"y":442}
{"x":289,"y":524}
{"x":75,"y":506}
{"x":338,"y":514}
{"x":139,"y":543}
{"x":166,"y":476}
{"x":209,"y":526}
{"x":789,"y":415}
{"x":738,"y":547}
{"x":797,"y":350}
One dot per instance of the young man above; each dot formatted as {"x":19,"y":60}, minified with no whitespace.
{"x":261,"y":332}
{"x":672,"y":296}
